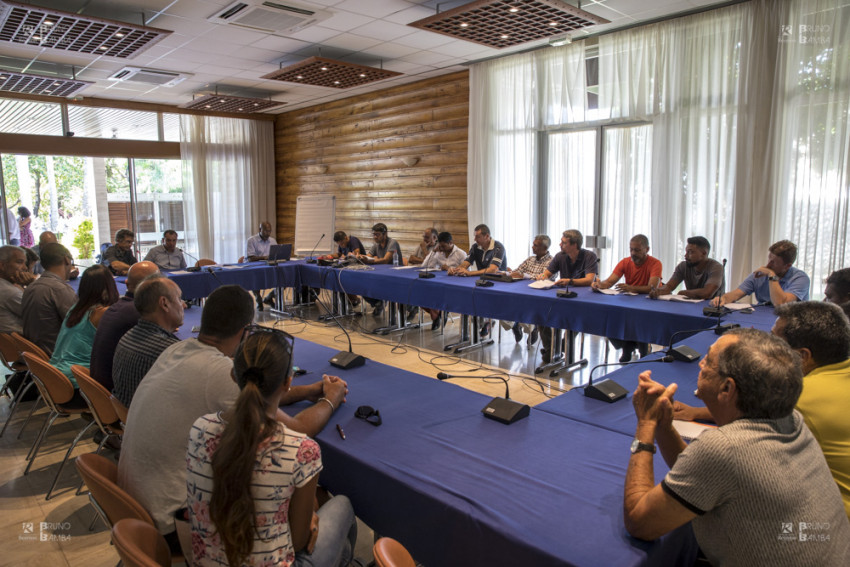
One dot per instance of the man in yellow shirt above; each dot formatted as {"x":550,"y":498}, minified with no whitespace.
{"x":820,"y":333}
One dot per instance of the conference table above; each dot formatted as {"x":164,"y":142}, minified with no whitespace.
{"x":616,"y":316}
{"x":460,"y":489}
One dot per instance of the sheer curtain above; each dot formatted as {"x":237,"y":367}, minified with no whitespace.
{"x":813,"y":148}
{"x":228,"y":168}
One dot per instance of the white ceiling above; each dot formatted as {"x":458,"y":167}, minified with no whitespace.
{"x":231,"y":60}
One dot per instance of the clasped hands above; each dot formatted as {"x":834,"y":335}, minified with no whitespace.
{"x":653,"y":402}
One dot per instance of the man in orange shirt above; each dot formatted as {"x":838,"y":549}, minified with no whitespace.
{"x":643,"y":273}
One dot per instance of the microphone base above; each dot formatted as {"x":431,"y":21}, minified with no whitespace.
{"x":194,"y":269}
{"x":565,"y":293}
{"x":312,"y":261}
{"x":347,"y":360}
{"x":426,"y":275}
{"x":684,"y":353}
{"x":606,"y":391}
{"x":505,"y":411}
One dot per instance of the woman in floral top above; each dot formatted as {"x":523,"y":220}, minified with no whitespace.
{"x":252,"y":482}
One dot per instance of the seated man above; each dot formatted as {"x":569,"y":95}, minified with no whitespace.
{"x":13,"y":229}
{"x":575,"y":267}
{"x":48,"y":299}
{"x":192,"y":378}
{"x":160,"y":307}
{"x":117,"y":320}
{"x":12,"y":268}
{"x":643,"y":272}
{"x":703,"y":276}
{"x":346,"y":245}
{"x":119,"y":257}
{"x":486,"y":255}
{"x":381,"y":253}
{"x":756,"y":489}
{"x":776,"y":282}
{"x":256,"y":249}
{"x":444,"y":256}
{"x":838,"y":286}
{"x":820,"y":333}
{"x":429,"y":242}
{"x":532,"y":267}
{"x":167,"y":256}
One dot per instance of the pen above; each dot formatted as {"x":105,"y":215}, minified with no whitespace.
{"x":341,"y":432}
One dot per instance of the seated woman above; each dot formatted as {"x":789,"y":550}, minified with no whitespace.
{"x":73,"y":345}
{"x":252,"y":482}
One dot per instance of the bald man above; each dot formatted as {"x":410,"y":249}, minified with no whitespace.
{"x":118,"y":319}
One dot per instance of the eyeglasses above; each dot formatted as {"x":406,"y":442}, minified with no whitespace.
{"x":370,"y":414}
{"x":254,"y":329}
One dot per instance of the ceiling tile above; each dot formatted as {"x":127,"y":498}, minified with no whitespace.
{"x":344,"y":21}
{"x":427,"y":58}
{"x":404,"y":17}
{"x":280,"y":44}
{"x":351,"y":42}
{"x":374,"y":8}
{"x":383,"y":30}
{"x":391,"y":50}
{"x":424,"y":40}
{"x":458,"y":48}
{"x":315,"y":34}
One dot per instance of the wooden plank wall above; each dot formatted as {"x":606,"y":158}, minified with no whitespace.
{"x":353,"y":149}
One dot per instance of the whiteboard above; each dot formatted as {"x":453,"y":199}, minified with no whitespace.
{"x":314,"y":216}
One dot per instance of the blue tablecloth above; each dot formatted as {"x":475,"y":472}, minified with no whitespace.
{"x":619,"y":417}
{"x":459,"y":489}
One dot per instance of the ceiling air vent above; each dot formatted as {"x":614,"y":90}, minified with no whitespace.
{"x":269,"y":17}
{"x":150,"y":76}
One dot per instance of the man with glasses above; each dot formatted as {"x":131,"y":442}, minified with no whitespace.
{"x":48,"y":299}
{"x":167,"y":256}
{"x":119,"y":257}
{"x":429,"y":242}
{"x":756,"y":489}
{"x":192,"y":378}
{"x":444,"y":256}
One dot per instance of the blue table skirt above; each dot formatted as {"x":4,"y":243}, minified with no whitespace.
{"x":459,"y":489}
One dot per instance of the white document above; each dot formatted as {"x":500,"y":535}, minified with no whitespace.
{"x":541,"y":284}
{"x":690,"y":430}
{"x":681,"y":298}
{"x":405,"y":267}
{"x":609,"y":291}
{"x":737,"y":306}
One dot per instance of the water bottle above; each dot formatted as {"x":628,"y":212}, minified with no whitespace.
{"x":395,"y":258}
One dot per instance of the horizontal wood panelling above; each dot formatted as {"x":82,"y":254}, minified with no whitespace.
{"x":353,"y":149}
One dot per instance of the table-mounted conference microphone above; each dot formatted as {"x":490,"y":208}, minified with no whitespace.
{"x":504,"y":410}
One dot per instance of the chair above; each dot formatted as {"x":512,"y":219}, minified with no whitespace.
{"x":21,"y":345}
{"x":139,"y":544}
{"x":390,"y":553}
{"x":120,"y":409}
{"x":204,"y":262}
{"x":56,"y":389}
{"x":10,"y":358}
{"x":98,"y":399}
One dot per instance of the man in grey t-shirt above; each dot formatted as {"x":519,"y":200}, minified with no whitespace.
{"x":757,"y":488}
{"x":702,"y":275}
{"x":380,"y":253}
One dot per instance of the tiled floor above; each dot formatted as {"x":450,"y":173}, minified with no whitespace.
{"x":56,"y":533}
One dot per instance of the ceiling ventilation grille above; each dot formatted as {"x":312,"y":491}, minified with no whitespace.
{"x":505,"y":23}
{"x":45,"y":27}
{"x":226,"y":103}
{"x":28,"y":83}
{"x":323,"y":72}
{"x":270,"y":17}
{"x":150,"y":76}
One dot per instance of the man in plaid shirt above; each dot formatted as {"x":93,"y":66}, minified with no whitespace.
{"x":531,"y":268}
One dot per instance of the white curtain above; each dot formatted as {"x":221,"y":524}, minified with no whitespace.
{"x":813,"y":146}
{"x":229,"y":182}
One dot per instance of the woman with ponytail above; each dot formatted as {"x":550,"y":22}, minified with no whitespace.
{"x":252,"y":482}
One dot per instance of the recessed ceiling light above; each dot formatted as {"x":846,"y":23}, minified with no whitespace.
{"x":221,"y":100}
{"x":464,"y":24}
{"x":504,"y":36}
{"x":119,"y":34}
{"x":48,"y":23}
{"x":207,"y":106}
{"x":256,"y":104}
{"x":241,"y":109}
{"x":553,"y":23}
{"x":37,"y":37}
{"x":300,"y":77}
{"x":514,"y":10}
{"x":362,"y":74}
{"x":336,"y":82}
{"x":324,"y":68}
{"x":102,"y":48}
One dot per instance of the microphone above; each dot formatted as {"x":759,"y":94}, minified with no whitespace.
{"x":193,"y":268}
{"x":426,"y":274}
{"x":610,"y":391}
{"x":213,"y":274}
{"x":503,"y":410}
{"x":342,"y":359}
{"x":311,"y":260}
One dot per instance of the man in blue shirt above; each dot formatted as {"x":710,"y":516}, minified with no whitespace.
{"x":777,"y":282}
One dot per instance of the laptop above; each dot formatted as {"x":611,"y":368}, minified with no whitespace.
{"x":280,"y":252}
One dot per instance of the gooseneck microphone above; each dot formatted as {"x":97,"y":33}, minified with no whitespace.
{"x":503,"y":410}
{"x":311,"y":259}
{"x":427,"y":274}
{"x":189,"y":255}
{"x":608,"y":390}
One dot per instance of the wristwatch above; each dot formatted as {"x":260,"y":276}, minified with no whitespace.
{"x":637,"y":447}
{"x":774,"y":278}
